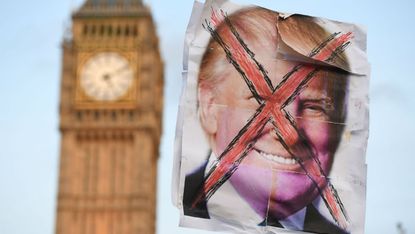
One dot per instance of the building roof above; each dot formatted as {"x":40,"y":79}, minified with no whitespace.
{"x":99,"y":8}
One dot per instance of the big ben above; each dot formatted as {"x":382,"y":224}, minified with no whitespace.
{"x":110,"y":120}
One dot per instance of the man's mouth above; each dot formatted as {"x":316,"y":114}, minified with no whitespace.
{"x":277,"y":158}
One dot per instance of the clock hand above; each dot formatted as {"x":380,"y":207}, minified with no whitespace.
{"x":119,"y":70}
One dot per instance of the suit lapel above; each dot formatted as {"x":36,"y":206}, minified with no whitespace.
{"x":315,"y":222}
{"x":193,"y":184}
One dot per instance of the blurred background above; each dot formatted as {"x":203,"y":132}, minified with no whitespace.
{"x":30,"y":58}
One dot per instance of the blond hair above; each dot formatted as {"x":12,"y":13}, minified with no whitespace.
{"x":262,"y":28}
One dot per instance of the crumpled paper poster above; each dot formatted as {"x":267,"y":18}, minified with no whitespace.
{"x":273,"y":122}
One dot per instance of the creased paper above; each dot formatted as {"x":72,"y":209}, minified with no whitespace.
{"x":273,"y":122}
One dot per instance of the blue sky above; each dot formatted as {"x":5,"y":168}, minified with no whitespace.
{"x":30,"y":58}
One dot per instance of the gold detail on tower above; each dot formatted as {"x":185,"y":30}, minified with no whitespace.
{"x":110,"y":137}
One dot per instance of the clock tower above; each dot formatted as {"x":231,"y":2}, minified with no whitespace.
{"x":110,"y":120}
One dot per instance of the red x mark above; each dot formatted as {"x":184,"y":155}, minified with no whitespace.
{"x":272,"y":102}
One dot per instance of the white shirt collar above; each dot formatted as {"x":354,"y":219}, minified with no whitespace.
{"x":294,"y":221}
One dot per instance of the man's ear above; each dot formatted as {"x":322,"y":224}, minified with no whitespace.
{"x":208,"y":111}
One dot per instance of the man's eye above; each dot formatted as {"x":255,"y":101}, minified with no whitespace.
{"x":313,"y":110}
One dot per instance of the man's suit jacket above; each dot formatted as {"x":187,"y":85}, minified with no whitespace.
{"x":313,"y":222}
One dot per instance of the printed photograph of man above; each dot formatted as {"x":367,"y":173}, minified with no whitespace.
{"x":281,"y":180}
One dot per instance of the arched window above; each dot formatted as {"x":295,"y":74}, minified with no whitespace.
{"x":93,"y":30}
{"x":109,"y":30}
{"x":79,"y":115}
{"x":118,"y":30}
{"x":127,"y":30}
{"x":135,"y":30}
{"x":131,"y":115}
{"x":96,"y":115}
{"x":85,"y":31}
{"x":102,"y":30}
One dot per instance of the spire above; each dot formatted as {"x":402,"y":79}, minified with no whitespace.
{"x":111,"y":8}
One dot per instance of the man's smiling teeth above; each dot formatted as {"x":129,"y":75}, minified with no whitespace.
{"x":278,"y":159}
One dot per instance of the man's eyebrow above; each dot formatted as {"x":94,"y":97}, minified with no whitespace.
{"x":324,"y":99}
{"x":314,"y":94}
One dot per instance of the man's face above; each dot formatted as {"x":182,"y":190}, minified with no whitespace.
{"x":269,"y":178}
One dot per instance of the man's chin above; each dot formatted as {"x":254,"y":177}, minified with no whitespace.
{"x":282,"y":211}
{"x":293,"y":192}
{"x":276,"y":195}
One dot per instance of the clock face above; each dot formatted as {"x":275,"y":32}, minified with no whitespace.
{"x":106,"y":76}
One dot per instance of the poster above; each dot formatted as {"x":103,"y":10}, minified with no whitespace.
{"x":272,"y":126}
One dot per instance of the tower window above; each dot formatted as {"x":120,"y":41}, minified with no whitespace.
{"x":96,"y":115}
{"x":118,"y":30}
{"x":127,"y":30}
{"x":102,"y":30}
{"x":85,"y":32}
{"x":135,"y":30}
{"x":79,"y":115}
{"x":93,"y":30}
{"x":109,"y":30}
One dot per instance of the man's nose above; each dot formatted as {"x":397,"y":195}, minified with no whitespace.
{"x":271,"y":131}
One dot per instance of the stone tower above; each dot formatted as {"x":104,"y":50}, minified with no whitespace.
{"x":110,"y":120}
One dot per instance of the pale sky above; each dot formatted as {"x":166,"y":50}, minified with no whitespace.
{"x":30,"y":58}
